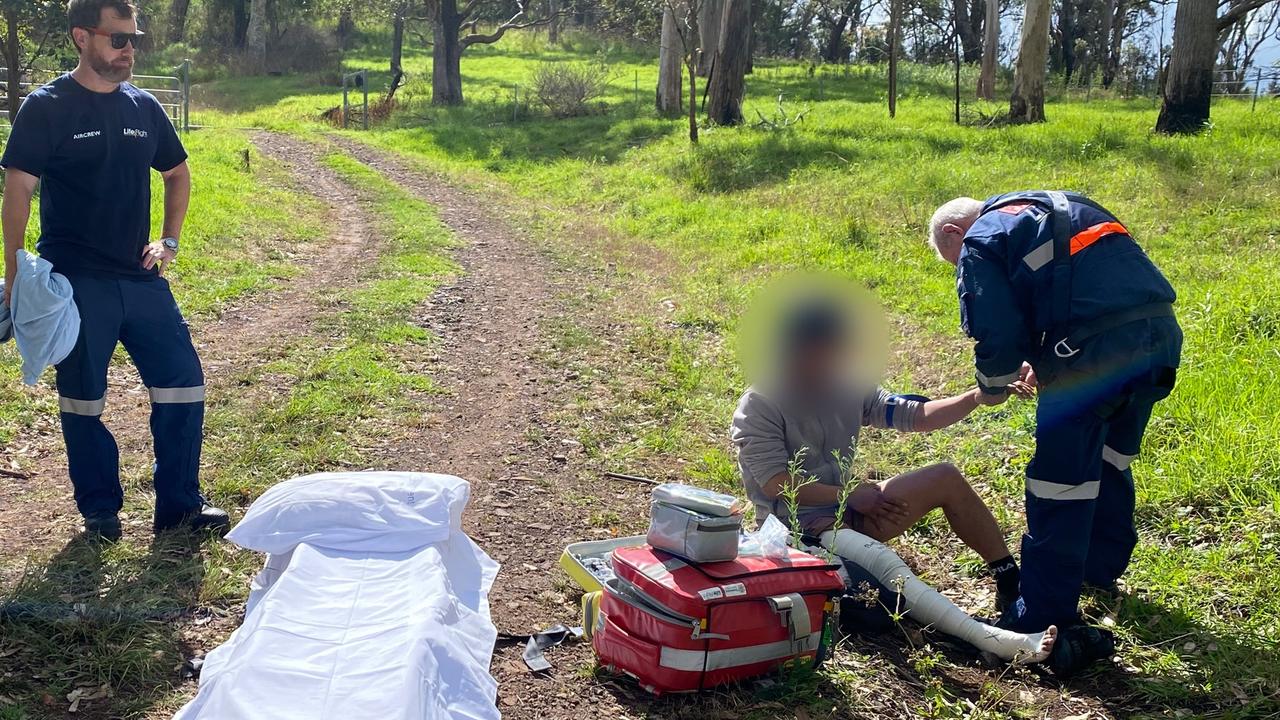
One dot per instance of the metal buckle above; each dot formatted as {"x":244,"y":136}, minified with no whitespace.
{"x":1063,"y":350}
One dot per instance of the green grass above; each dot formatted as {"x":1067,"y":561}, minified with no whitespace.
{"x":849,"y":190}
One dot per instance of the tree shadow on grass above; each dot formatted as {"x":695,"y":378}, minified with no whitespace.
{"x":100,"y":621}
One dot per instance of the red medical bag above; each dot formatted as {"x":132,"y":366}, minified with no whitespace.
{"x":681,"y":627}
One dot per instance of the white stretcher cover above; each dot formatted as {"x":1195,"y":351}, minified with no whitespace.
{"x":391,"y":628}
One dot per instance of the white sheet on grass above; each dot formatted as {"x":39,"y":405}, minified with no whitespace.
{"x":333,"y":633}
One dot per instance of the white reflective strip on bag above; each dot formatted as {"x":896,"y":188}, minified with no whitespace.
{"x":697,"y":660}
{"x":660,"y":572}
{"x":1118,"y":459}
{"x":1039,"y":257}
{"x":997,"y":381}
{"x":1057,"y":491}
{"x":177,"y":395}
{"x":88,"y":408}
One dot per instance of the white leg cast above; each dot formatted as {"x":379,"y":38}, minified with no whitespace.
{"x":927,"y":606}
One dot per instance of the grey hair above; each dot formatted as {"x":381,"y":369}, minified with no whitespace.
{"x":959,"y":211}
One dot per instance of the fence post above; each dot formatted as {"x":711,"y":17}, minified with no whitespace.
{"x":636,"y":100}
{"x":515,"y":105}
{"x":364,"y":83}
{"x":1257,"y":87}
{"x":186,"y":96}
{"x":345,"y":105}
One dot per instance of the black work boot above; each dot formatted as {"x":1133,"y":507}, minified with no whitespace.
{"x":206,"y":517}
{"x":105,"y":526}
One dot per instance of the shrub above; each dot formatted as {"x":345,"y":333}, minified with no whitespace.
{"x":569,"y":89}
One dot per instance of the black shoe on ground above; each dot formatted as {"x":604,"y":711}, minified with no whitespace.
{"x":103,"y":527}
{"x":1078,"y":647}
{"x":206,"y":518}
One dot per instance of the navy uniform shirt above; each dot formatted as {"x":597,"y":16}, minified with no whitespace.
{"x":93,"y":153}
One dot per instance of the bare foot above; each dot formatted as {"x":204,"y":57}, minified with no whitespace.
{"x":1046,"y":641}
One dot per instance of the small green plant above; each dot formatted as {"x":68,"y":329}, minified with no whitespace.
{"x":791,"y":492}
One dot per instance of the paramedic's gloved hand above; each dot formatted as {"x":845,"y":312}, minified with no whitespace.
{"x":871,"y":501}
{"x":157,"y":255}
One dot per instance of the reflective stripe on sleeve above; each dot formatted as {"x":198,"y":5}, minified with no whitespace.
{"x":1116,"y":458}
{"x":998,"y":381}
{"x":1039,"y":257}
{"x":177,"y":395}
{"x":88,"y":408}
{"x":697,"y":660}
{"x":1094,"y":233}
{"x":1046,"y":490}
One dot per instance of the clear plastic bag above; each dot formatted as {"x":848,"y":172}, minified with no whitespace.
{"x":770,"y":540}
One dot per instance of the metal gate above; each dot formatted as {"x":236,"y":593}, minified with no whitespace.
{"x":173,"y":91}
{"x":1244,"y":85}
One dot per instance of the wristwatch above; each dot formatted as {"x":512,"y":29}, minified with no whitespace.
{"x":171,"y":244}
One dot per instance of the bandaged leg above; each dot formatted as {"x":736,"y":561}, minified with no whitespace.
{"x":925,"y":605}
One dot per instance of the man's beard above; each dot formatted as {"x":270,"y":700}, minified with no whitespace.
{"x":116,"y":72}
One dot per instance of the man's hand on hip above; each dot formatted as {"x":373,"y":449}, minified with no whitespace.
{"x":156,"y":255}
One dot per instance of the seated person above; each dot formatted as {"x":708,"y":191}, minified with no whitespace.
{"x":811,"y":412}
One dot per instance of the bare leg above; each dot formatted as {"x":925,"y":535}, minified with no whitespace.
{"x":925,"y":605}
{"x":942,"y":486}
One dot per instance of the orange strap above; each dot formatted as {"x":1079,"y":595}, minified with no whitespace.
{"x":1091,"y":235}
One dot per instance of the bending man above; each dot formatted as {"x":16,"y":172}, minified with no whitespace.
{"x":1055,"y":292}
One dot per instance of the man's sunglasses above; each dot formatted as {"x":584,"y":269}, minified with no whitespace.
{"x":119,"y":39}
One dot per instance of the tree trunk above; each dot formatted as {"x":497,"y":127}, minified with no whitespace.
{"x":670,"y":99}
{"x":239,"y":22}
{"x":895,"y":42}
{"x":970,"y":43}
{"x":1027,"y":102}
{"x":835,"y":50}
{"x":1188,"y":84}
{"x":446,"y":56}
{"x":1067,"y":38}
{"x":13,"y":62}
{"x":256,"y":36}
{"x":693,"y":102}
{"x":990,"y":51}
{"x":397,"y":47}
{"x":553,"y":27}
{"x":710,"y":15}
{"x":727,"y":84}
{"x":177,"y":21}
{"x":1111,"y":32}
{"x":346,"y":28}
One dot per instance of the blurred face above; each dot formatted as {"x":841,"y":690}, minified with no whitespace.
{"x":815,"y":367}
{"x":96,"y":49}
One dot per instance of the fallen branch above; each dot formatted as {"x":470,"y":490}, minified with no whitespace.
{"x":16,"y":474}
{"x":631,"y":478}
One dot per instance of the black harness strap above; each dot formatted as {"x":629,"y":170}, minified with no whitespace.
{"x":1070,"y":345}
{"x":1061,"y":288}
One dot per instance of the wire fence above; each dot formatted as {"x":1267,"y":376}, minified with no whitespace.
{"x":172,"y":91}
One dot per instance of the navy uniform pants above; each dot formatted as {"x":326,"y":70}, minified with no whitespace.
{"x":1092,"y":413}
{"x":142,"y":315}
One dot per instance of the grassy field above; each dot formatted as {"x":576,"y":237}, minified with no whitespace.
{"x":846,"y":190}
{"x":849,"y":190}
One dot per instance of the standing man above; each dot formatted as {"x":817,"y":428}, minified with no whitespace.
{"x":90,"y":139}
{"x":1055,"y":292}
